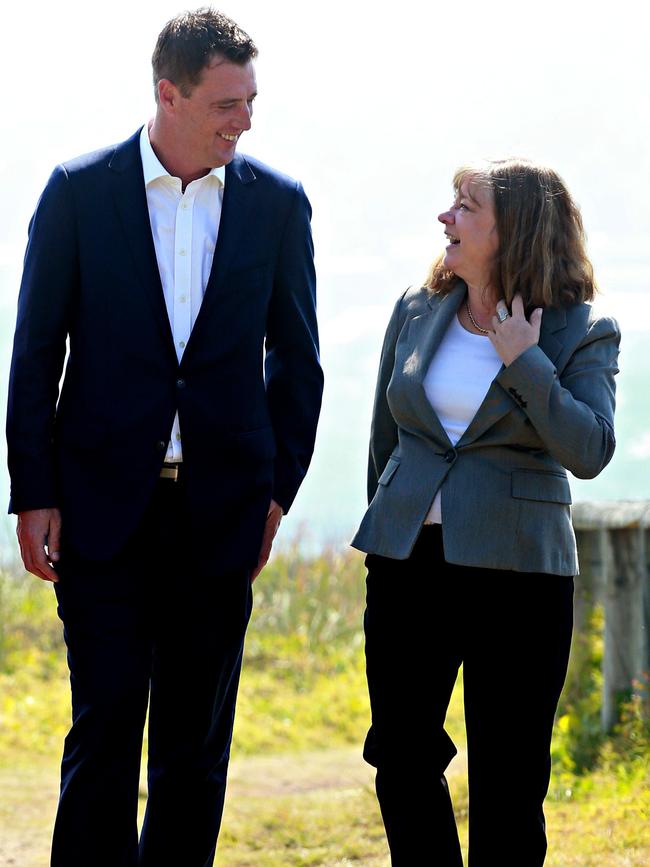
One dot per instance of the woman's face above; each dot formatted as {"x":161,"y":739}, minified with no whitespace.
{"x":470,"y":225}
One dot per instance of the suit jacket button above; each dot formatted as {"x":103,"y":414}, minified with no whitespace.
{"x":180,"y":383}
{"x":450,"y":456}
{"x":162,"y":445}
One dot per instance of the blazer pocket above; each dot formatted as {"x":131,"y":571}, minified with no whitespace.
{"x":389,"y":471}
{"x":547,"y":486}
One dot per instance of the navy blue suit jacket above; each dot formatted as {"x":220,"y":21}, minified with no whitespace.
{"x":248,"y":388}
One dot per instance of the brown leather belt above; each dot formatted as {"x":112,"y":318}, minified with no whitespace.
{"x":170,"y":472}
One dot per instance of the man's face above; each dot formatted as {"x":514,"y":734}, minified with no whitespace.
{"x":217,"y":111}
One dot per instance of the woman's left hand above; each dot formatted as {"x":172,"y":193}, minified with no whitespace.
{"x":514,"y":334}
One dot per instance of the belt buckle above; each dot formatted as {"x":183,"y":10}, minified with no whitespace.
{"x":170,"y":472}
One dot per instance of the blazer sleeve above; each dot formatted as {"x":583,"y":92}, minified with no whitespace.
{"x":573,"y":413}
{"x":50,"y":278}
{"x":383,"y":429}
{"x":294,"y":378}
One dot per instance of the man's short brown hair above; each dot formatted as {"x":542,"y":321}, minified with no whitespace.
{"x":189,"y":42}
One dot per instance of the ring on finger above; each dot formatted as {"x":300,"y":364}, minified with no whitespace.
{"x":502,"y":314}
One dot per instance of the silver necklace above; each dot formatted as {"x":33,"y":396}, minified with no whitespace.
{"x":473,"y":321}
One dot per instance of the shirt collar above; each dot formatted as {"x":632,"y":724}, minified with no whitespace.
{"x":154,"y":169}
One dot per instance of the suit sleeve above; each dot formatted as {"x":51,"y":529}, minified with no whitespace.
{"x":294,"y":378}
{"x":383,"y":430}
{"x":574,"y":413}
{"x":50,"y":278}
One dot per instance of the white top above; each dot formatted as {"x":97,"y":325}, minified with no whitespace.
{"x":456,"y":383}
{"x":184,"y":226}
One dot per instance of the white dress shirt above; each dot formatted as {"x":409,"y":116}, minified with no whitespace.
{"x":456,"y":383}
{"x":184,"y":226}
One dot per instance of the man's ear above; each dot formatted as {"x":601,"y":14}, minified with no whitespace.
{"x":168,"y":95}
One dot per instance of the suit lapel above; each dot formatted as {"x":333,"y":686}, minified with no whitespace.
{"x":127,"y":184}
{"x":234,"y":224}
{"x":234,"y":233}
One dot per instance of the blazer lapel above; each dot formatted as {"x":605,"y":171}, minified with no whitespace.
{"x":425,"y":333}
{"x":553,"y":319}
{"x":497,"y":402}
{"x":131,"y":203}
{"x":427,"y":330}
{"x":234,"y":233}
{"x":495,"y":405}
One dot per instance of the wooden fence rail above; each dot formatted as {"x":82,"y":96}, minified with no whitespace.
{"x":614,"y":549}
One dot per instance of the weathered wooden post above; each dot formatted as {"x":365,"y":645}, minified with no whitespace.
{"x":588,"y":591}
{"x":624,"y":660}
{"x":622,"y":528}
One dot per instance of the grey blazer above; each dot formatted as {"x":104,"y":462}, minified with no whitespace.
{"x":504,"y":488}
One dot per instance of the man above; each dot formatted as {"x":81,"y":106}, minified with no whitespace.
{"x":182,"y":275}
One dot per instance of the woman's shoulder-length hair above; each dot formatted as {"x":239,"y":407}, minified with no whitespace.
{"x":542,"y":245}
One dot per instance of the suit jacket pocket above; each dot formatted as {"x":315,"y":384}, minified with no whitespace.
{"x":389,"y":470}
{"x":542,"y":485}
{"x":257,"y":444}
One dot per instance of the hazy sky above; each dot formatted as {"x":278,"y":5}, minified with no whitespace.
{"x":372,"y":106}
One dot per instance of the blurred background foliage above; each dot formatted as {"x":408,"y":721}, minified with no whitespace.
{"x":303,"y":689}
{"x":304,"y":682}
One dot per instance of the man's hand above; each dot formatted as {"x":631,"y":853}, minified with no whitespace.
{"x":516,"y":334}
{"x":273,"y":518}
{"x":39,"y":537}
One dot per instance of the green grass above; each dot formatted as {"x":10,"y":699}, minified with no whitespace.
{"x":302,"y":697}
{"x":314,"y":828}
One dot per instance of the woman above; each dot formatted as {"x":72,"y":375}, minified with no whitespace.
{"x":495,"y":378}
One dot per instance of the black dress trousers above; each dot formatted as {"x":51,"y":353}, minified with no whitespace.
{"x":148,"y":628}
{"x":512,"y":633}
